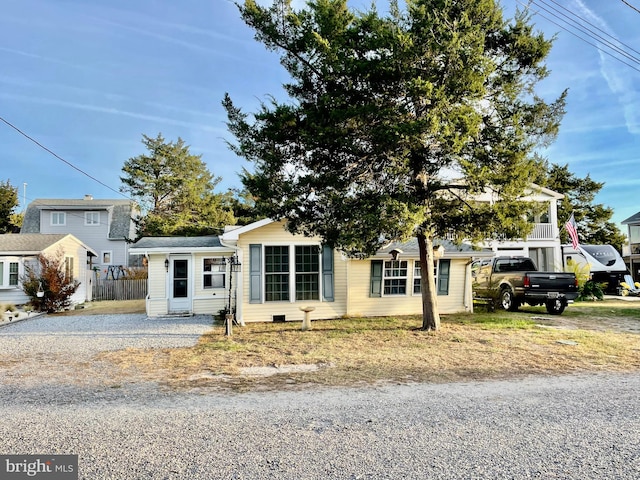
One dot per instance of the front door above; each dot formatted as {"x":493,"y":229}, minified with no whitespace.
{"x":180,"y":285}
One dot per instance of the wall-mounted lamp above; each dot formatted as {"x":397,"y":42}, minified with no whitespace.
{"x":395,"y":254}
{"x":233,"y":262}
{"x":166,"y":265}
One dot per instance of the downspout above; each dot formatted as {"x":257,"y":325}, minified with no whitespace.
{"x":468,"y":294}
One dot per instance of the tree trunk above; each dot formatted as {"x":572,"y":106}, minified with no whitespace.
{"x":430,"y":315}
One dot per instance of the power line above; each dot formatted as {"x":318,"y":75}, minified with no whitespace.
{"x":62,"y":159}
{"x":630,"y":6}
{"x":614,"y":46}
{"x":563,"y":27}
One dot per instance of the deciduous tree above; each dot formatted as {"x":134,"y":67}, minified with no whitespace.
{"x":395,"y":122}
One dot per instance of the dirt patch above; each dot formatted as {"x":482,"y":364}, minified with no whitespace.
{"x":106,"y":307}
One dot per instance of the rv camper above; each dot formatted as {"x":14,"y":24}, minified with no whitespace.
{"x":605,"y":263}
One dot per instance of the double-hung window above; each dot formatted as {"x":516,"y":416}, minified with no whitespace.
{"x":395,"y":277}
{"x":213,"y":272}
{"x":307,"y":272}
{"x":58,"y":218}
{"x":92,"y":218}
{"x":441,"y":272}
{"x":8,"y":274}
{"x":276,"y":277}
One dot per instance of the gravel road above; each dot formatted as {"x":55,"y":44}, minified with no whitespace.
{"x":570,"y":427}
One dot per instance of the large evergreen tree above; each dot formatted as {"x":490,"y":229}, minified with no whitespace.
{"x":396,"y":122}
{"x":175,"y":190}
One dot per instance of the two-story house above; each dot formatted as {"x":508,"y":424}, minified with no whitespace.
{"x":631,"y":254}
{"x":105,"y":225}
{"x":543,"y":243}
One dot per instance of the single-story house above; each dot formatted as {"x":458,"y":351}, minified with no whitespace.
{"x":264,"y":273}
{"x":19,"y":251}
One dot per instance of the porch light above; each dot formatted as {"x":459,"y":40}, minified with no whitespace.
{"x":233,"y":262}
{"x":234,"y":266}
{"x":395,"y":254}
{"x":166,"y":265}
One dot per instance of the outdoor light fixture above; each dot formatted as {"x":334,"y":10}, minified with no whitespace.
{"x":166,"y":265}
{"x":234,"y":266}
{"x":395,"y":253}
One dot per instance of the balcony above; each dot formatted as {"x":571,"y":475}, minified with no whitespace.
{"x":542,"y":231}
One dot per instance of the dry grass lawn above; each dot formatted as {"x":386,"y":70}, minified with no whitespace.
{"x":587,"y":337}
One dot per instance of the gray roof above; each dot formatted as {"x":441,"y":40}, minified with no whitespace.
{"x":633,"y":219}
{"x":411,"y":248}
{"x":28,"y":243}
{"x":122,"y":211}
{"x":156,"y":243}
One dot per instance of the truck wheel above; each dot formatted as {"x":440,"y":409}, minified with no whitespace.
{"x":556,"y":307}
{"x":508,"y":300}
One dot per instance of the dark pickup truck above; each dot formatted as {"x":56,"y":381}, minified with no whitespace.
{"x":513,"y":281}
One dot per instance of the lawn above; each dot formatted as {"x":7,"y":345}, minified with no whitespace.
{"x":365,"y":351}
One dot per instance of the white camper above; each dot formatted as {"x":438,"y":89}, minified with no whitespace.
{"x":605,"y":263}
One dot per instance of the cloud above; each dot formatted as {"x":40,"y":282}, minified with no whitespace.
{"x":111,"y":111}
{"x":618,"y":76}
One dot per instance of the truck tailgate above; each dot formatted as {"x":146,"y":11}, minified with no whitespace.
{"x":550,"y":281}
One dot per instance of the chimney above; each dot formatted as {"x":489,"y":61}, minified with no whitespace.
{"x":88,"y":197}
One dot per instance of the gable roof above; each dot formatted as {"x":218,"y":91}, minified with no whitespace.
{"x":165,"y":244}
{"x":633,"y":219}
{"x":410,"y":248}
{"x":121,"y":213}
{"x":33,"y":243}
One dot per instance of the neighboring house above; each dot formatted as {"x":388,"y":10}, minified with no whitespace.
{"x":543,"y":243}
{"x":631,"y":254}
{"x":19,"y":251}
{"x":104,"y":225}
{"x":280,"y":273}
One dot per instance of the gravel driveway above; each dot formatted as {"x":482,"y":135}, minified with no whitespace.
{"x":570,"y":427}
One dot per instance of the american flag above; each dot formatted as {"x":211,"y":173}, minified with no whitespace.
{"x":572,"y":228}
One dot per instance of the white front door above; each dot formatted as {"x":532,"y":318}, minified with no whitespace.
{"x":180,"y":284}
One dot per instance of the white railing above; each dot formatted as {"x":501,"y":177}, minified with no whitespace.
{"x":542,"y":231}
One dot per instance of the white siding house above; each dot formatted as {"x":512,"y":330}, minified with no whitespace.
{"x":18,"y":251}
{"x":543,"y":243}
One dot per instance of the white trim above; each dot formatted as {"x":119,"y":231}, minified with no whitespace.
{"x":91,"y":223}
{"x":234,"y":234}
{"x":56,"y":213}
{"x":106,"y":252}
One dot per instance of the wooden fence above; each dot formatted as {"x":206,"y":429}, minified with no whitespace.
{"x":121,"y":289}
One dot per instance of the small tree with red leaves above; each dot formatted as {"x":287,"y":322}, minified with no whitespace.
{"x":52,"y":277}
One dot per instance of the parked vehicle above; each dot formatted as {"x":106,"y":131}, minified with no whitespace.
{"x":513,"y":281}
{"x":606,"y":266}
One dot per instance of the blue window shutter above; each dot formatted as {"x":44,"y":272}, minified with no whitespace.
{"x":443,"y":277}
{"x":327,"y":273}
{"x":376,"y":278}
{"x":255,"y":273}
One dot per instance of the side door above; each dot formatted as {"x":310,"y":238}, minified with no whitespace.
{"x":180,"y":284}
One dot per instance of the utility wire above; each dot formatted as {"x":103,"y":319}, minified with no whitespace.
{"x":528,"y":6}
{"x":630,"y":6}
{"x":579,"y":25}
{"x":62,"y":159}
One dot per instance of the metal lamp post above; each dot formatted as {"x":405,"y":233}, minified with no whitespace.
{"x":234,"y":266}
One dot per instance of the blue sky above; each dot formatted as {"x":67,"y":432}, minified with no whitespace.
{"x":87,"y":78}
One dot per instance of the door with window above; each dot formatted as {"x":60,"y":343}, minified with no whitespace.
{"x":180,"y":284}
